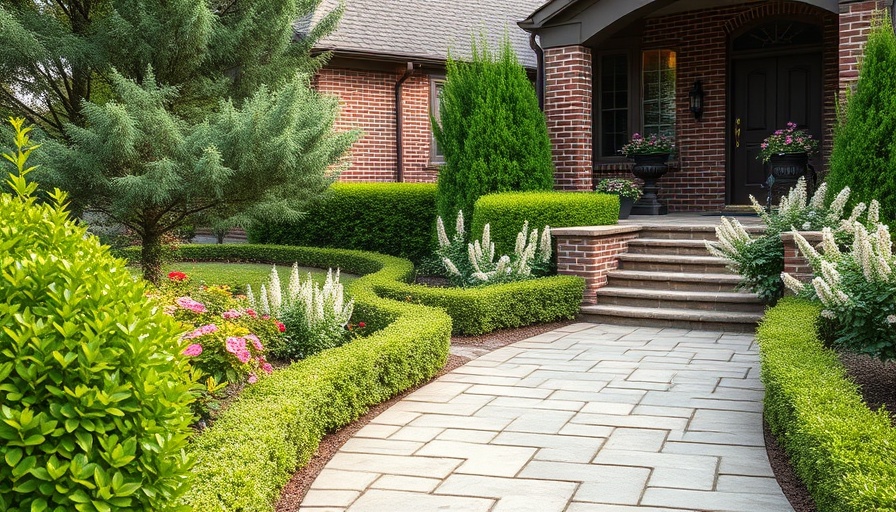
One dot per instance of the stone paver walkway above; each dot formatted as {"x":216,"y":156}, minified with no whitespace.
{"x":585,"y":418}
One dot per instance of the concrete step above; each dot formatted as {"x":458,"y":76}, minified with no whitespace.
{"x":688,"y":232}
{"x":705,"y":282}
{"x":691,"y":300}
{"x":726,"y":321}
{"x":673,"y":263}
{"x":667,"y":246}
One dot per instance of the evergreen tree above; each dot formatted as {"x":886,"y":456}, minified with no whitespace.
{"x":492,"y":133}
{"x":165,"y":111}
{"x":864,"y":152}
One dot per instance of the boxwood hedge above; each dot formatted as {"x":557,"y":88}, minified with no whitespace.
{"x":506,"y":212}
{"x":390,"y":218}
{"x":844,"y":452}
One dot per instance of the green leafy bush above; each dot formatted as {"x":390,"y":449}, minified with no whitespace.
{"x":507,"y":212}
{"x":95,"y":411}
{"x":843,"y":451}
{"x":491,"y":131}
{"x":390,"y":218}
{"x":864,"y":151}
{"x":250,"y":452}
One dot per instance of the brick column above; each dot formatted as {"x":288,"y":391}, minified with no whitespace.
{"x":855,"y":22}
{"x":794,"y":262}
{"x":567,"y":108}
{"x":591,"y":252}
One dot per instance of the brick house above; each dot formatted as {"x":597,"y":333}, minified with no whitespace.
{"x":393,"y":52}
{"x":613,"y":67}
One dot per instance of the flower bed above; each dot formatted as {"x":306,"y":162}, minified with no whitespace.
{"x":843,"y":451}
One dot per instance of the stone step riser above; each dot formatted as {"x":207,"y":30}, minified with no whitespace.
{"x":649,"y":284}
{"x":693,"y":305}
{"x":667,"y":250}
{"x":659,"y":233}
{"x":663,"y":323}
{"x":657,"y":266}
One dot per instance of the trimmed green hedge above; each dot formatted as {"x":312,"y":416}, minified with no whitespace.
{"x":275,"y":426}
{"x":844,"y":452}
{"x":485,"y":309}
{"x":506,"y":212}
{"x":390,"y":218}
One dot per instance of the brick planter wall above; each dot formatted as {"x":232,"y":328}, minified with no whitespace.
{"x":591,"y":252}
{"x":794,"y":262}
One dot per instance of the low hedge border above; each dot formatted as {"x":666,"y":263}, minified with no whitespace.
{"x":481,"y":310}
{"x":275,"y":426}
{"x":843,"y":451}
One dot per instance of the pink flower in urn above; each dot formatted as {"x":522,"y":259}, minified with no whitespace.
{"x":193,"y":350}
{"x":253,"y":378}
{"x":788,"y":140}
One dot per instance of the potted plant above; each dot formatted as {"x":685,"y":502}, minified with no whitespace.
{"x":787,"y":151}
{"x":650,"y":155}
{"x":627,"y":190}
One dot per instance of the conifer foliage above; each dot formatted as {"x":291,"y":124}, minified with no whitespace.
{"x":864,"y":152}
{"x":491,"y":131}
{"x":163,"y":113}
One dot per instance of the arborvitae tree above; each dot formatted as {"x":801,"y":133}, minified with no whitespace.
{"x":492,"y":133}
{"x":163,"y":111}
{"x":864,"y":152}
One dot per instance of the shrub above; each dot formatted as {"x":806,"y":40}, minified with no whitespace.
{"x":507,"y":212}
{"x":275,"y":426}
{"x":315,"y":316}
{"x":390,"y":218}
{"x":476,"y":264}
{"x":843,"y":451}
{"x":863,"y":157}
{"x":95,"y":410}
{"x":491,"y":131}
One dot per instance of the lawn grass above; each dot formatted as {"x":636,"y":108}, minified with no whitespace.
{"x":238,"y":275}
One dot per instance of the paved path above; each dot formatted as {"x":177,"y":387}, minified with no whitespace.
{"x":585,"y":418}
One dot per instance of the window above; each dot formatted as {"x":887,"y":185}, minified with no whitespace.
{"x":658,"y":92}
{"x":614,"y":104}
{"x":435,"y":95}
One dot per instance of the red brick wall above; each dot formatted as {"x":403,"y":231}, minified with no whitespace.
{"x":591,"y":252}
{"x":567,"y":106}
{"x":855,"y":21}
{"x":367,"y":103}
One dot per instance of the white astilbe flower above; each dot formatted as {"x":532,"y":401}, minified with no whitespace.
{"x":793,"y":284}
{"x":891,"y":319}
{"x":459,"y":225}
{"x":827,"y":313}
{"x":795,"y":200}
{"x":250,"y":297}
{"x":451,"y":267}
{"x":835,"y":210}
{"x":817,"y":201}
{"x":474,"y":257}
{"x":440,"y":231}
{"x":823,"y":290}
{"x":829,"y":245}
{"x":873,"y":212}
{"x":829,"y":273}
{"x":863,"y":252}
{"x":544,"y":247}
{"x":275,"y":299}
{"x":503,"y":265}
{"x":481,"y":276}
{"x":521,"y":239}
{"x":884,"y":243}
{"x":713,"y":250}
{"x":760,"y":210}
{"x":295,"y":284}
{"x":805,"y":247}
{"x":487,"y":241}
{"x":265,"y":305}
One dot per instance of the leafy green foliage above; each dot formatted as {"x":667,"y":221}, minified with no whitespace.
{"x":491,"y":131}
{"x":390,"y":218}
{"x":843,"y":451}
{"x":255,"y":445}
{"x":507,"y":212}
{"x":864,"y":152}
{"x":95,"y":410}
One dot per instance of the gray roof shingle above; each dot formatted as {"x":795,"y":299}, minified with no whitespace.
{"x":425,"y":29}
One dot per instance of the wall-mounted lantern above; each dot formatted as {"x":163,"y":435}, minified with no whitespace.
{"x":696,"y":99}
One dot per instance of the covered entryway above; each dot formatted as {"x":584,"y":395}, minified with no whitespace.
{"x":776,"y":78}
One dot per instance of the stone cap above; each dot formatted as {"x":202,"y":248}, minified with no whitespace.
{"x":615,"y":229}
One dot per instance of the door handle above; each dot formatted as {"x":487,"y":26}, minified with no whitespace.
{"x":737,"y":133}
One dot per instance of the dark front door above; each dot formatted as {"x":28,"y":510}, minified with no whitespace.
{"x":767,"y":93}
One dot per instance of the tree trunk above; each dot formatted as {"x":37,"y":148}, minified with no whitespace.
{"x":151,"y":258}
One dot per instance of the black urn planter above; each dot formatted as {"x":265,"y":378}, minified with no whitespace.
{"x":650,"y":168}
{"x":788,"y":166}
{"x":625,"y":206}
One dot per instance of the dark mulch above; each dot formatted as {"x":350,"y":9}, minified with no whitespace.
{"x":876,"y":379}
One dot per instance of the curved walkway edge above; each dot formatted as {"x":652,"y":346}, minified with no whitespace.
{"x":588,"y":417}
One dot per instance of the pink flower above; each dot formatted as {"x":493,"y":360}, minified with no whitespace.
{"x":788,"y":140}
{"x":267,"y":368}
{"x":253,"y":378}
{"x":779,"y":132}
{"x":177,"y":276}
{"x":252,"y":313}
{"x":235,"y":345}
{"x":281,"y":327}
{"x":193,"y":350}
{"x":243,"y":355}
{"x":362,"y":325}
{"x":231,"y":314}
{"x":265,"y":317}
{"x":190,"y":304}
{"x":201,"y":331}
{"x":255,"y":342}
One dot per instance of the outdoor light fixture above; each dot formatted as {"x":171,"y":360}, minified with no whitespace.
{"x":696,"y":99}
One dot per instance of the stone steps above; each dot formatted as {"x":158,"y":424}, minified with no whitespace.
{"x":673,"y":263}
{"x":667,"y":246}
{"x":671,"y":299}
{"x":672,"y":281}
{"x":671,"y":317}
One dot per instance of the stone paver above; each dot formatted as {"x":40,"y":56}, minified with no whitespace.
{"x":588,"y":417}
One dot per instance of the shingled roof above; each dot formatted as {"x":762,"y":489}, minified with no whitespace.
{"x":424,"y":29}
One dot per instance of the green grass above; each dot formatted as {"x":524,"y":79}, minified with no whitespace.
{"x":238,"y":275}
